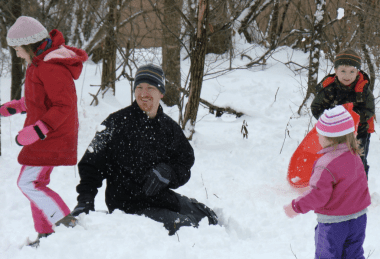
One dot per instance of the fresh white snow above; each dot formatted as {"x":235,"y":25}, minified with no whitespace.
{"x":243,"y":180}
{"x":340,"y":14}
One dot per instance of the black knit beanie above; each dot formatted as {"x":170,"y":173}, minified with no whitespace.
{"x":347,"y":57}
{"x":151,"y":74}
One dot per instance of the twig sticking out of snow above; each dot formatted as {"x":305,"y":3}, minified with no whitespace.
{"x":286,"y":132}
{"x":275,"y":96}
{"x":370,"y":253}
{"x":292,"y":251}
{"x":204,"y":186}
{"x":244,"y":129}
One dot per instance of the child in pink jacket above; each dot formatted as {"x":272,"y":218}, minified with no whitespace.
{"x":338,"y":191}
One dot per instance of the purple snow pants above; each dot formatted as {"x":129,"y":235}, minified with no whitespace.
{"x":341,"y":240}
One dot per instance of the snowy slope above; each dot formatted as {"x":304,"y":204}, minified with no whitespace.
{"x":243,"y":180}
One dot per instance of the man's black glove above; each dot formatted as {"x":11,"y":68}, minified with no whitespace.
{"x":83,"y":206}
{"x":157,"y":178}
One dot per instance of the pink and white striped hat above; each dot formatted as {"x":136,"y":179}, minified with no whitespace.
{"x":335,"y":122}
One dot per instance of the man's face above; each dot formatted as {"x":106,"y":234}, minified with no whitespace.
{"x":148,"y":98}
{"x":346,"y":74}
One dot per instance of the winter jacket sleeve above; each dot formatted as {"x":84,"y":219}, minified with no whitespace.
{"x":94,"y":166}
{"x":60,"y":89}
{"x":365,"y":109}
{"x":321,"y":183}
{"x":182,"y":160}
{"x":323,"y":100}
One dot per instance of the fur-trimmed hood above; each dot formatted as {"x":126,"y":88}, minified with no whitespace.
{"x":59,"y":53}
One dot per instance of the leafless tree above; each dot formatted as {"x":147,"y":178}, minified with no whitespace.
{"x":10,"y":11}
{"x":315,"y":48}
{"x":197,"y":68}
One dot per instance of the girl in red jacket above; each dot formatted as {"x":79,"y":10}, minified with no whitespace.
{"x":50,"y":134}
{"x":338,"y":191}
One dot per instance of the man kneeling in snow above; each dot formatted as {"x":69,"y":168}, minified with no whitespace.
{"x":143,"y":154}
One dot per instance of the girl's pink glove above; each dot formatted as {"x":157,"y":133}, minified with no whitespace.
{"x":31,"y":134}
{"x":13,"y":107}
{"x":289,"y":211}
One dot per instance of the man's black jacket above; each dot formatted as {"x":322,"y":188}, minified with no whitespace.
{"x":123,"y":152}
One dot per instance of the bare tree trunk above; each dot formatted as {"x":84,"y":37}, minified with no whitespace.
{"x":110,"y":49}
{"x":274,"y":25}
{"x":171,"y":58}
{"x":282,"y":22}
{"x":197,"y":69}
{"x":363,"y":40}
{"x":315,"y":50}
{"x":247,"y":20}
{"x":17,"y":73}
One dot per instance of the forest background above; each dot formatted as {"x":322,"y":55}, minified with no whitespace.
{"x":239,"y":54}
{"x":113,"y":31}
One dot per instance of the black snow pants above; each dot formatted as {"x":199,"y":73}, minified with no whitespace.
{"x":190,"y":214}
{"x":364,"y":144}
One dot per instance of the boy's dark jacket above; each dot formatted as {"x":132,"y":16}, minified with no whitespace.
{"x":124,"y":151}
{"x":330,"y":92}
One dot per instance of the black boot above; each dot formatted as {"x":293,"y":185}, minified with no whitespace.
{"x":196,"y":210}
{"x":210,"y":214}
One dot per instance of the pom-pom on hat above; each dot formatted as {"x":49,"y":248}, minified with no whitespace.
{"x":335,"y":122}
{"x":151,"y":74}
{"x":26,"y":30}
{"x":347,"y":57}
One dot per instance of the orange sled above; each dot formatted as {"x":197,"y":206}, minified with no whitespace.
{"x":302,"y":161}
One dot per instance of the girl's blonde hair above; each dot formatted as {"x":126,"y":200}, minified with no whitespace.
{"x":350,"y":140}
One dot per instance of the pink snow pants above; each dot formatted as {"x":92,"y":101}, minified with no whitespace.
{"x":47,"y":206}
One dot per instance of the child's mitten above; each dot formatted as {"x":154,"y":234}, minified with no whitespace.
{"x":289,"y":211}
{"x":13,"y":107}
{"x":31,"y":134}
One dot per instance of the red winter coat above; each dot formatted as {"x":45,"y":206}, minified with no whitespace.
{"x":50,"y":96}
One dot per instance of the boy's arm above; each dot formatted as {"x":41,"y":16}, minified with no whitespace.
{"x":322,"y":101}
{"x":321,"y":183}
{"x":366,"y":109}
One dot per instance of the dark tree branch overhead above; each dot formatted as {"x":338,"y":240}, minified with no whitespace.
{"x":254,"y":12}
{"x":213,"y":108}
{"x":166,"y":26}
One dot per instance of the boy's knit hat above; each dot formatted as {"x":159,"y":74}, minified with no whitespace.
{"x":26,"y":30}
{"x":151,"y":74}
{"x":335,"y":122}
{"x":347,"y":57}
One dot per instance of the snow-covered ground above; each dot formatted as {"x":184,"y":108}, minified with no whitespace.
{"x":243,"y":180}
